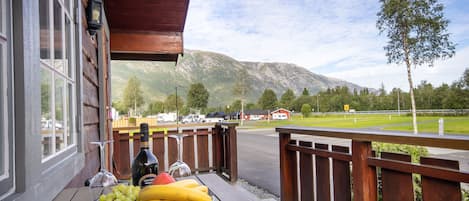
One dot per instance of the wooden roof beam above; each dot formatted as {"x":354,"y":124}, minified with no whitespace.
{"x":146,"y":43}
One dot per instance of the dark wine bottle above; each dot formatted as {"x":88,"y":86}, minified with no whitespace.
{"x":145,"y":164}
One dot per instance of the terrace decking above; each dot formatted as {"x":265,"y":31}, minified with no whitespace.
{"x":220,"y":190}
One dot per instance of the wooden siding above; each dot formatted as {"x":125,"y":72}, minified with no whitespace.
{"x":90,"y":97}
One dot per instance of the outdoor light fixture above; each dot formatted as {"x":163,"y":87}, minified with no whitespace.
{"x":94,"y":15}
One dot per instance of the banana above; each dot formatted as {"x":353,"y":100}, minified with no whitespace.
{"x":202,"y":189}
{"x":187,"y":183}
{"x":172,"y":192}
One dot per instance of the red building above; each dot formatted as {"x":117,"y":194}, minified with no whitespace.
{"x":281,"y":114}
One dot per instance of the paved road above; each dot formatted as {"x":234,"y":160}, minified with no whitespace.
{"x":258,"y":156}
{"x":258,"y":159}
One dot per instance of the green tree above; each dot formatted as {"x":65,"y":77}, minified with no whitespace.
{"x":306,"y":110}
{"x":236,"y":105}
{"x":252,"y":106}
{"x":466,"y":78}
{"x":132,"y":97}
{"x":287,"y":99}
{"x":417,"y":35}
{"x":305,"y":92}
{"x":155,"y":108}
{"x":197,"y":97}
{"x":300,"y":101}
{"x":120,"y":107}
{"x":170,"y":103}
{"x":268,"y":100}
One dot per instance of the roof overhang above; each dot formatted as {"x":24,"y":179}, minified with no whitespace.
{"x":146,"y":30}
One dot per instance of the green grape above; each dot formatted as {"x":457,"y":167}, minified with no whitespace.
{"x":121,"y":193}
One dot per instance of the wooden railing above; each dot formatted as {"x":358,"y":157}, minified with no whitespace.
{"x":355,"y":175}
{"x":208,"y":147}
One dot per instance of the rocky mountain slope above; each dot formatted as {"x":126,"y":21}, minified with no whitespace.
{"x":218,"y":73}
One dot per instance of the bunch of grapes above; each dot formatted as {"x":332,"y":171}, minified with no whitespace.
{"x":121,"y":192}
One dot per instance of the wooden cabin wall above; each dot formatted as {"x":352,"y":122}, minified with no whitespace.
{"x":91,"y":110}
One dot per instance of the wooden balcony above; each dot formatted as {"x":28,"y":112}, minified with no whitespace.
{"x":359,"y":174}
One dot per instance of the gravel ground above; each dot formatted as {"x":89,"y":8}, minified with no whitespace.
{"x":259,"y":192}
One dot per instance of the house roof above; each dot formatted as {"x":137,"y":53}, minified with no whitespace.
{"x":146,"y":30}
{"x":277,"y":110}
{"x":256,"y":112}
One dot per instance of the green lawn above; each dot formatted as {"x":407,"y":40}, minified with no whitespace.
{"x":455,"y":125}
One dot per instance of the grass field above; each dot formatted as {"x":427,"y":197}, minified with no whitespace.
{"x":452,"y":125}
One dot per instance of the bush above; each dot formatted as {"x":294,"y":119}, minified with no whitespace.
{"x":414,"y":151}
{"x":306,"y":110}
{"x":132,"y":121}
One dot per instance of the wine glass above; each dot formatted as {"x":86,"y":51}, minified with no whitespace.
{"x":103,"y":180}
{"x":179,"y":168}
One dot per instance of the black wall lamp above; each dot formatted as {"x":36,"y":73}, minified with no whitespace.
{"x":94,"y":15}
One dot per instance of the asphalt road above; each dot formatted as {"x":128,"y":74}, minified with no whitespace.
{"x":258,"y":159}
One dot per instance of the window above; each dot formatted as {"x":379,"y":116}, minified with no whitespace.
{"x":6,"y":101}
{"x":58,"y":127}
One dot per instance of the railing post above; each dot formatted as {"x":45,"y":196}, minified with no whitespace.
{"x":364,"y":176}
{"x":217,"y":147}
{"x":233,"y":157}
{"x":288,"y":170}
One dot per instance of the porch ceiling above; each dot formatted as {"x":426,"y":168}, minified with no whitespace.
{"x":146,"y":29}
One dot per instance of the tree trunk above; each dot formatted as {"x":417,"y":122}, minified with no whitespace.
{"x":411,"y":90}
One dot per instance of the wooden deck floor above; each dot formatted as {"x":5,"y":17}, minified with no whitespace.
{"x":219,"y":188}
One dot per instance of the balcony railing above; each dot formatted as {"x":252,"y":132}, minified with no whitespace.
{"x":207,"y":147}
{"x":355,"y":175}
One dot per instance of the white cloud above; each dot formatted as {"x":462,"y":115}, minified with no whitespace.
{"x":336,"y":37}
{"x":392,"y":75}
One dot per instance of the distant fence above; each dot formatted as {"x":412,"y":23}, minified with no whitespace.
{"x":125,"y":122}
{"x":429,"y":111}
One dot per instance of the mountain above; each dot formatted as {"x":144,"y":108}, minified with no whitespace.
{"x":218,"y":73}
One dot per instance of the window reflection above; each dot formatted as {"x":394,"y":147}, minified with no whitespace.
{"x":46,"y":112}
{"x":70,"y":119}
{"x":59,"y":113}
{"x":58,"y":42}
{"x":44,"y":24}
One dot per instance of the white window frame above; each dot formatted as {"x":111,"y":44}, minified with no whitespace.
{"x":7,"y":178}
{"x":72,"y":79}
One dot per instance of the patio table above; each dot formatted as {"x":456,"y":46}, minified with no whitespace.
{"x":219,"y":189}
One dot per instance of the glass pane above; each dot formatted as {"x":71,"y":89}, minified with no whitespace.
{"x":67,"y":5}
{"x":68,"y":47}
{"x":46,"y":112}
{"x":69,"y":111}
{"x":59,"y":113}
{"x":58,"y":39}
{"x":44,"y":23}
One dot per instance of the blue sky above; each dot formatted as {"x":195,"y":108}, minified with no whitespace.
{"x":336,"y":38}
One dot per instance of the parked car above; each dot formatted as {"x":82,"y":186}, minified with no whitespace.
{"x":215,"y":117}
{"x":193,"y":118}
